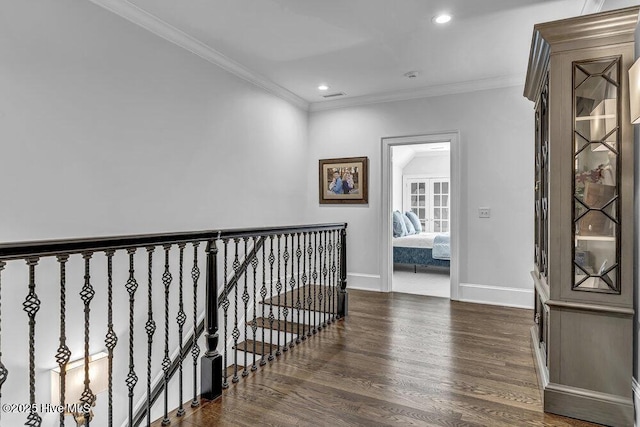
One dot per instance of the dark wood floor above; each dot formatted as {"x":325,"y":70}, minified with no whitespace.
{"x":396,"y":360}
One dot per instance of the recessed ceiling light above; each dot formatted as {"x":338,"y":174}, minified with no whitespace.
{"x":443,"y":18}
{"x":323,"y":87}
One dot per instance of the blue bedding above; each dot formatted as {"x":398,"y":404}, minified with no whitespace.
{"x":442,"y":247}
{"x":417,"y":256}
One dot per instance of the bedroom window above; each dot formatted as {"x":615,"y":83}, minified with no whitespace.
{"x":429,"y":199}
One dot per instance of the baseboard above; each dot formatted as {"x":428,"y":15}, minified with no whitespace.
{"x":365,"y":282}
{"x":636,"y":399}
{"x":496,"y":295}
{"x":588,"y":405}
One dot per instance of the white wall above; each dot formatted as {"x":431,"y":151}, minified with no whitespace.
{"x":496,"y":135}
{"x":106,"y":128}
{"x":397,"y":187}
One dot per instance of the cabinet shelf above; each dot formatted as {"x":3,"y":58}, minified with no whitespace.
{"x":597,"y":238}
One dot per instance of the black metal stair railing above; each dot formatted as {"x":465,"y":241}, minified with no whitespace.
{"x":287,"y":283}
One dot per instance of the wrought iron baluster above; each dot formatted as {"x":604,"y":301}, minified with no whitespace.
{"x":343,"y":300}
{"x":181,"y":319}
{"x":166,"y":361}
{"x":263,"y":295}
{"x":292,"y":286}
{"x":310,"y":293}
{"x":271,"y":316}
{"x":63,"y":353}
{"x":304,"y":285}
{"x":131,"y":287}
{"x":325,"y":272}
{"x":285,"y":309}
{"x":225,"y":307}
{"x":279,"y":289}
{"x":236,"y":332}
{"x":150,"y":328}
{"x":332,"y":306}
{"x":296,"y":282}
{"x":336,"y":272}
{"x":195,"y":349}
{"x":86,"y":294}
{"x":31,"y":305}
{"x":331,"y":282}
{"x":3,"y":369}
{"x":245,"y":302}
{"x":254,"y":325}
{"x":110,"y":339}
{"x":322,"y":282}
{"x":315,"y":280}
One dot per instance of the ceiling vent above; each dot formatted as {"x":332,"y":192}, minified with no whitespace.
{"x":334,"y":95}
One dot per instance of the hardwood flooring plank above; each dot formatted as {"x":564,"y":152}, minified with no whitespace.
{"x":397,"y":359}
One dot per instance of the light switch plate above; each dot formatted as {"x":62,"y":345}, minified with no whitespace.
{"x":484,"y":212}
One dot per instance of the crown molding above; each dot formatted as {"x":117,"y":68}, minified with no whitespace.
{"x":424,"y":92}
{"x":144,"y":19}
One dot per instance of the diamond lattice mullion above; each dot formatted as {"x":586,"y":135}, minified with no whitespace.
{"x":603,"y":140}
{"x":586,"y":140}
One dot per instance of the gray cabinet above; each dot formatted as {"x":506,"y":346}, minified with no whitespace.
{"x":584,"y":222}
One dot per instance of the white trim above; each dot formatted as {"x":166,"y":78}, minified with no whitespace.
{"x":453,"y":137}
{"x":496,"y":295}
{"x":144,"y":19}
{"x":363,"y":282}
{"x":636,"y":399}
{"x":424,"y":92}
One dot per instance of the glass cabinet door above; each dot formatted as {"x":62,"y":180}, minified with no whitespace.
{"x":596,"y":87}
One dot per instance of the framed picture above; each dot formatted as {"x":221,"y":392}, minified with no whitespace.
{"x":344,"y":181}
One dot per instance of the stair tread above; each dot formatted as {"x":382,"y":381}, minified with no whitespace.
{"x":263,"y":322}
{"x":240,"y":346}
{"x":304,"y":290}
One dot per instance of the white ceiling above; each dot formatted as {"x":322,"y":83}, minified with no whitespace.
{"x":401,"y":155}
{"x":360,"y":47}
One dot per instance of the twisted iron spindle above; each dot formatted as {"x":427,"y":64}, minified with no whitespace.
{"x":110,"y":339}
{"x":245,"y":302}
{"x":310,"y":293}
{"x":166,"y":361}
{"x":31,"y":305}
{"x":181,"y":319}
{"x":304,"y":285}
{"x":3,"y":370}
{"x":195,"y":349}
{"x":263,"y":295}
{"x":236,"y":332}
{"x":86,"y":294}
{"x":332,"y":274}
{"x":225,"y":307}
{"x":325,"y":272}
{"x":285,"y":309}
{"x":279,"y":289}
{"x":63,"y":353}
{"x":322,"y":282}
{"x":131,"y":287}
{"x":254,"y":324}
{"x":316,"y":284}
{"x":334,"y":271}
{"x":150,"y":328}
{"x":293,"y":282}
{"x":271,"y":316}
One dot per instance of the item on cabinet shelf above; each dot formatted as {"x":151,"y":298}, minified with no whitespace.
{"x":583,"y":258}
{"x":594,"y":223}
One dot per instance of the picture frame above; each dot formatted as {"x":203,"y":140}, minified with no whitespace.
{"x":344,"y":180}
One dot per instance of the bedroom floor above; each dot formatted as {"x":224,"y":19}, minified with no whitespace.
{"x":427,"y":281}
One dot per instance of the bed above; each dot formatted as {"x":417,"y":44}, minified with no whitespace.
{"x":423,"y":249}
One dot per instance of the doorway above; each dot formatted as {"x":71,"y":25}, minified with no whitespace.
{"x":421,"y":182}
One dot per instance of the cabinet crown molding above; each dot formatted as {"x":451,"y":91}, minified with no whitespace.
{"x":616,"y":26}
